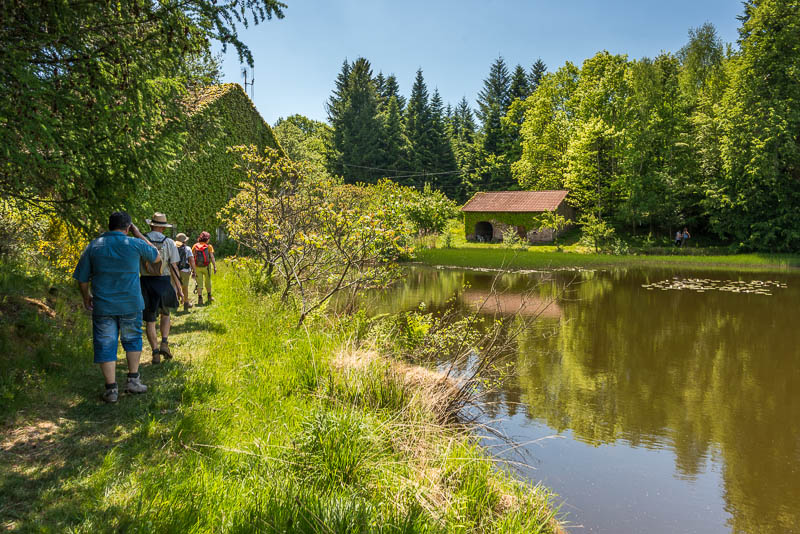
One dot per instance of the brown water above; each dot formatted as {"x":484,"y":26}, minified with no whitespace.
{"x":676,"y":406}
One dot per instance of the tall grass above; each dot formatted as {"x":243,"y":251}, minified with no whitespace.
{"x":253,"y":429}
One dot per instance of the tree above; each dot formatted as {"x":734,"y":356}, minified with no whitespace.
{"x":758,"y":198}
{"x":493,"y":102}
{"x":520,"y":87}
{"x":315,"y":235}
{"x":442,"y":158}
{"x":538,"y":70}
{"x":595,"y":230}
{"x":394,"y":143}
{"x":551,"y":220}
{"x":546,"y":131}
{"x":94,"y":94}
{"x":419,"y":126}
{"x":353,"y":111}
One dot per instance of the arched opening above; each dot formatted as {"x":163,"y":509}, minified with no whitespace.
{"x":484,"y":231}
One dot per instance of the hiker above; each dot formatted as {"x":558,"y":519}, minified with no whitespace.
{"x":678,"y":238}
{"x":111,"y":264}
{"x":186,"y":266}
{"x":685,"y":236}
{"x":204,"y":259}
{"x":161,"y":286}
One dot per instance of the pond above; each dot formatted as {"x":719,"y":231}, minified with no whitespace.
{"x":651,"y":400}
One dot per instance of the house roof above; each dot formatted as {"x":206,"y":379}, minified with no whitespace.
{"x":516,"y":201}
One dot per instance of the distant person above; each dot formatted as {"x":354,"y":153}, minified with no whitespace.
{"x":678,"y":238}
{"x":110,"y":264}
{"x":161,"y":289}
{"x":204,"y":259}
{"x":685,"y":236}
{"x":186,"y":266}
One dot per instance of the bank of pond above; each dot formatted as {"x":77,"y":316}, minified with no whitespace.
{"x":653,"y":399}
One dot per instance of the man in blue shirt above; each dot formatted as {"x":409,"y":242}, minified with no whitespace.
{"x":111,"y":264}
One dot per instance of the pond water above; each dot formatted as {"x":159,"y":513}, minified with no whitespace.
{"x":651,"y":400}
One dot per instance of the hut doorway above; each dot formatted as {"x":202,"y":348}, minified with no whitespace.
{"x":484,"y":231}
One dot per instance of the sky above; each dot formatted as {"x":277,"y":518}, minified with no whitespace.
{"x":454,"y":42}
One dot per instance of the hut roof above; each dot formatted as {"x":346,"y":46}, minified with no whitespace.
{"x":516,"y":201}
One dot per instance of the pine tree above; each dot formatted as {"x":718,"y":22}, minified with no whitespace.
{"x":380,"y":88}
{"x":520,"y":88}
{"x":392,"y":89}
{"x":418,"y":125}
{"x":335,"y":108}
{"x":359,"y":128}
{"x":495,"y":94}
{"x":442,"y":159}
{"x":538,"y":70}
{"x":394,"y":143}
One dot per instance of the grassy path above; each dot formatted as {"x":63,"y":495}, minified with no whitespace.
{"x":249,"y":429}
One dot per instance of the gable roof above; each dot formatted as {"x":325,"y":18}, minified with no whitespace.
{"x":516,"y":201}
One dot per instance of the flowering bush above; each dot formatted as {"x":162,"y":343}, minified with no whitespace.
{"x":316,"y":235}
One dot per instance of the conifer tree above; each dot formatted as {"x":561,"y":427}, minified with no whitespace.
{"x":538,"y":70}
{"x":418,"y":125}
{"x":335,"y":108}
{"x":394,"y":143}
{"x":392,"y":89}
{"x":442,"y":159}
{"x":520,"y":88}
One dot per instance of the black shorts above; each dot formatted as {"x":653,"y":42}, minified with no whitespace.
{"x":159,"y":296}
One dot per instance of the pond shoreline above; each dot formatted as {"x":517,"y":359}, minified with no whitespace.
{"x":506,"y":259}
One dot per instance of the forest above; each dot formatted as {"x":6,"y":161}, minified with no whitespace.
{"x":707,"y":136}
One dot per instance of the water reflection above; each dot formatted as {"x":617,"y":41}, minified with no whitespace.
{"x":712,"y":377}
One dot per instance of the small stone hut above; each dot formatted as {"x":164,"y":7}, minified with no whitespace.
{"x":488,"y":215}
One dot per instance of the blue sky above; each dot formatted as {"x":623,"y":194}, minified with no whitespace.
{"x":454,"y":42}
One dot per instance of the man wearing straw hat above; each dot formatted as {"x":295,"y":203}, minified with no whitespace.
{"x":162,"y":290}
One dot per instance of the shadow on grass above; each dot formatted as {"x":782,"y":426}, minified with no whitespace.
{"x":86,"y":444}
{"x":200,"y":325}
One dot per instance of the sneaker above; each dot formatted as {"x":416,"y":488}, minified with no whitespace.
{"x":199,"y":300}
{"x":164,"y":349}
{"x":210,"y":298}
{"x":111,"y":395}
{"x":156,"y":357}
{"x":186,"y":306}
{"x":134,"y":385}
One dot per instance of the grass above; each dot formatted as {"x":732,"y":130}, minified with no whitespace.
{"x":462,"y":253}
{"x":251,"y":428}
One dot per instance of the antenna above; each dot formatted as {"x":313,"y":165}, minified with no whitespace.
{"x":252,"y":81}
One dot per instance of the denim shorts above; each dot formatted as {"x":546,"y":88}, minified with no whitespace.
{"x":108,"y":330}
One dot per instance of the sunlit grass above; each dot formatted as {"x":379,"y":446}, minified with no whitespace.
{"x":250,"y":429}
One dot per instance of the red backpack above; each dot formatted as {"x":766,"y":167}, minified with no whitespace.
{"x":201,"y":253}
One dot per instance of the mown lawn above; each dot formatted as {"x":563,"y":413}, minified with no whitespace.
{"x":251,"y":428}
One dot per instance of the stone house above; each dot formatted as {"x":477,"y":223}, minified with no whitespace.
{"x":488,"y":215}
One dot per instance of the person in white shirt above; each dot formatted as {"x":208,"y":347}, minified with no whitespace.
{"x":161,"y":290}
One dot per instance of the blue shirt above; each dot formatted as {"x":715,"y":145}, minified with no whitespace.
{"x":111,"y":263}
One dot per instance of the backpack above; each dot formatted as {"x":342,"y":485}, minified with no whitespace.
{"x":183,"y":262}
{"x":154,"y":268}
{"x":201,"y":255}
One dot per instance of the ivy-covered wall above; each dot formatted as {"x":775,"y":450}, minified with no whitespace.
{"x":204,"y":178}
{"x":516,"y":219}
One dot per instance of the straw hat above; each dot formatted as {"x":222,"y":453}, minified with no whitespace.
{"x":181,"y":238}
{"x":159,"y":219}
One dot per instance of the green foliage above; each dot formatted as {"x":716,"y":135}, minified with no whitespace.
{"x":595,"y":230}
{"x":321,"y":237}
{"x":429,"y":210}
{"x":84,"y":122}
{"x":206,"y":177}
{"x":552,"y":220}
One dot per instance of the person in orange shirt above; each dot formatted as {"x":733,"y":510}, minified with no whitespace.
{"x":204,"y":260}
